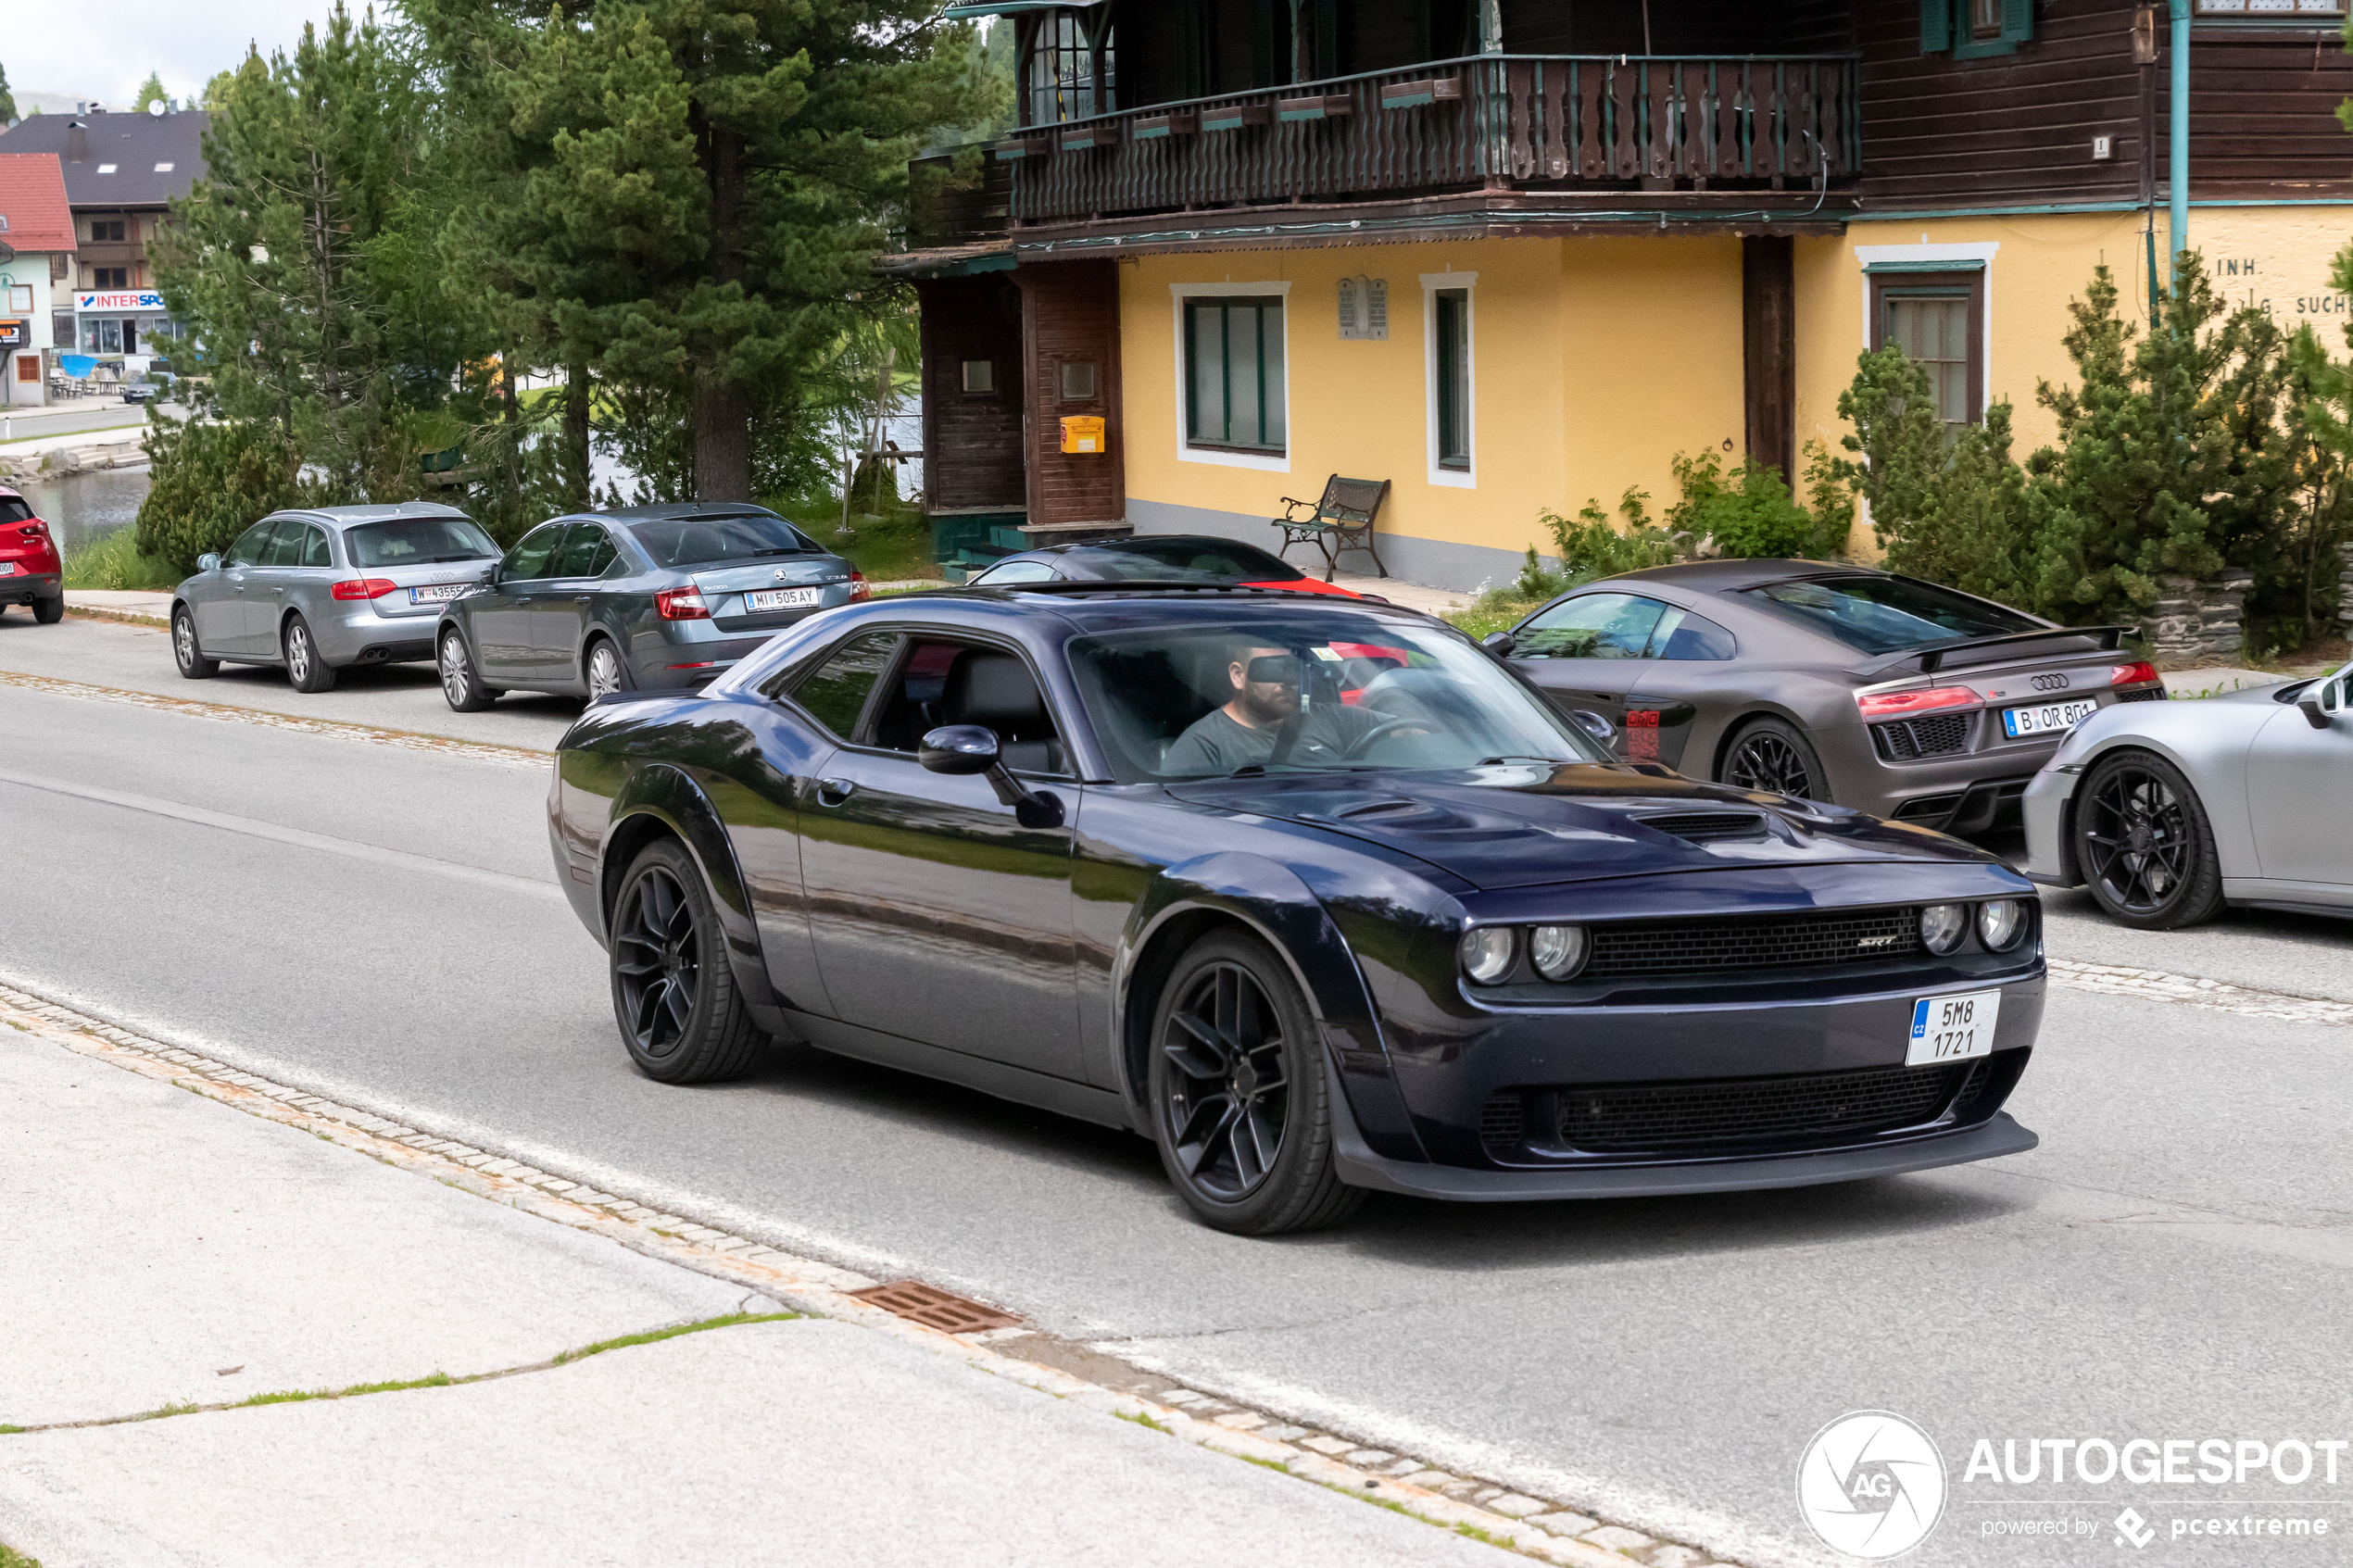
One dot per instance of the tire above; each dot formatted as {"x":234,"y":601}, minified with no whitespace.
{"x":1774,"y":756}
{"x":462,"y":685}
{"x":1231,"y":1031}
{"x":2144,"y":844}
{"x":48,"y":612}
{"x":605,"y":670}
{"x":187,"y":651}
{"x":674,"y":996}
{"x":305,"y":666}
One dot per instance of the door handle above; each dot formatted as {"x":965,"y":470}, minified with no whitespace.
{"x":833,"y":791}
{"x":583,"y":598}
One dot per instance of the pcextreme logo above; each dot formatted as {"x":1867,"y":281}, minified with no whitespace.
{"x":1871,"y":1485}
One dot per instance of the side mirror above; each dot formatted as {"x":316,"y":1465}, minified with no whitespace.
{"x":2321,"y":704}
{"x":959,"y":748}
{"x":208,"y":562}
{"x":1594,"y":724}
{"x":1500,"y":643}
{"x":972,"y":748}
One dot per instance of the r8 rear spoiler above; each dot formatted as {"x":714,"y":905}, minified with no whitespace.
{"x":1931,"y":655}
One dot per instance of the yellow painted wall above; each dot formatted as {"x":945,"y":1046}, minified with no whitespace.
{"x":1594,"y":361}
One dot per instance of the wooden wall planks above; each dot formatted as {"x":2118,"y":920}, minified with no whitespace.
{"x":1070,"y":312}
{"x":972,"y":440}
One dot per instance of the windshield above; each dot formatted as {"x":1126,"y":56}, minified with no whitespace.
{"x":1180,"y":560}
{"x":1308,"y":691}
{"x":692,"y":541}
{"x":416,"y":541}
{"x":1882,"y":614}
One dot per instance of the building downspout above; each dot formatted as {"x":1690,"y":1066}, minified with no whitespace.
{"x":2178,"y":153}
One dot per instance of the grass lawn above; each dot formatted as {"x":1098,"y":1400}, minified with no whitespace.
{"x":114,"y":563}
{"x":887,"y":548}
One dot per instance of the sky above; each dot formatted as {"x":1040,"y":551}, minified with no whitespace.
{"x":53,"y":48}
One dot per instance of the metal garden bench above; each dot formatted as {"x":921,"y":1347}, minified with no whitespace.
{"x":1341,"y":520}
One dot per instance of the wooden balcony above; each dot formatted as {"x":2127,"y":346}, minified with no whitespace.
{"x":1548,"y":122}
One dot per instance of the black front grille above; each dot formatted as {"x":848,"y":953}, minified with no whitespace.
{"x":1940,"y":735}
{"x":1701,"y":826}
{"x":1825,"y":1108}
{"x":2147,"y":693}
{"x":1502,"y":1122}
{"x":1772,"y":942}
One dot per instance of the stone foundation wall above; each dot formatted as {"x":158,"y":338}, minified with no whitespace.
{"x":2199,"y":621}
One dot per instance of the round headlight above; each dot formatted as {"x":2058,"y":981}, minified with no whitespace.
{"x":1942,"y":926}
{"x":1558,"y":952}
{"x":2000,"y":923}
{"x":1488,"y":952}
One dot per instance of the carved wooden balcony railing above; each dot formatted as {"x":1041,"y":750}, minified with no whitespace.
{"x":1547,"y":121}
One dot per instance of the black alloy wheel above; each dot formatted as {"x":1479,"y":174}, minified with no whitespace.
{"x":674,"y":996}
{"x":2144,"y":844}
{"x":305,"y":666}
{"x":1773,"y":756}
{"x":186,"y":652}
{"x":462,"y":685}
{"x":1241,"y":1106}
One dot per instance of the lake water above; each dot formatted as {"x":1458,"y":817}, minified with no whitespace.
{"x":83,"y":506}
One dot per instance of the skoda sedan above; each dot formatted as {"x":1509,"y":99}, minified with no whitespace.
{"x":1131,"y":855}
{"x":643,"y":597}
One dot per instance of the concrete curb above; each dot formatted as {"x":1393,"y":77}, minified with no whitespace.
{"x":1548,"y":1531}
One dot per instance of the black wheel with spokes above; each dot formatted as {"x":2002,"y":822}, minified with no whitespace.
{"x":2144,"y":844}
{"x":676,"y":1002}
{"x":1772,"y":756}
{"x":1241,"y":1104}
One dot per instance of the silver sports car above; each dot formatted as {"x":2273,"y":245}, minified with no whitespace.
{"x":319,"y":589}
{"x":2168,"y":812}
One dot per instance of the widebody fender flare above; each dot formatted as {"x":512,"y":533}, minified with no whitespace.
{"x":1271,"y":901}
{"x":670,"y":796}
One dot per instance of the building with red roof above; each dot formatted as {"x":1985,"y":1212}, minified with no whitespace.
{"x":36,"y":272}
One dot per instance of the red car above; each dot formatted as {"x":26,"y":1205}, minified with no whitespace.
{"x":30,"y":571}
{"x":1158,"y":558}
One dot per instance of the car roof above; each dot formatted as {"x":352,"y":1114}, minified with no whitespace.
{"x":1730,"y":576}
{"x":1106,"y":606}
{"x":344,"y":516}
{"x":669,"y":510}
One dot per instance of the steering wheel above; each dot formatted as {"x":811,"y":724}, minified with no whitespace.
{"x":1379,"y":732}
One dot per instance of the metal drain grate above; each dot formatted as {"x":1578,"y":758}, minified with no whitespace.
{"x":934,"y":1308}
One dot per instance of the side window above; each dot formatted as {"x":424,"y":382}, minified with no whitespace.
{"x":1591,"y":626}
{"x":578,"y":558}
{"x":835,"y":693}
{"x":530,"y":557}
{"x":314,"y":547}
{"x":252,"y":544}
{"x":607,"y":553}
{"x":285,"y":544}
{"x":1681,"y":634}
{"x":945,"y":683}
{"x":1014,"y":571}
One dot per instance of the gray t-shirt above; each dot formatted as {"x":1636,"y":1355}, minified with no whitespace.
{"x":1217,"y":742}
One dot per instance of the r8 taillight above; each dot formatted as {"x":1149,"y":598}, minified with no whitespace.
{"x":363,"y":587}
{"x":2139,"y":675}
{"x":681,"y":604}
{"x":1922,"y":699}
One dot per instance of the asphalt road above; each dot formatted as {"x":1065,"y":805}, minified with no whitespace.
{"x":382,"y":924}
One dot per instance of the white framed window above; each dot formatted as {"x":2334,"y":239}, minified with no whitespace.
{"x":20,"y":297}
{"x":1233,"y":385}
{"x":1449,"y":374}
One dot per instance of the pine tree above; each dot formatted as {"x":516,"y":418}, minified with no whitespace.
{"x":150,"y":92}
{"x":695,"y":187}
{"x":7,"y":99}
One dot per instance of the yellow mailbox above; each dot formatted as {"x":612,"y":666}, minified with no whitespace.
{"x":1083,"y":432}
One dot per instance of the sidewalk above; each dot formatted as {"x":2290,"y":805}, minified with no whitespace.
{"x":171,"y":1257}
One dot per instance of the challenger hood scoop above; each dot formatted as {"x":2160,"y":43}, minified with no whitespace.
{"x":1527,"y":825}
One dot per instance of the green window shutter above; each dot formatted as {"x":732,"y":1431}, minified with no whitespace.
{"x":1936,"y":25}
{"x":2018,"y":20}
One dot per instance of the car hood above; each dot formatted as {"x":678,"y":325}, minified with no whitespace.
{"x":1528,"y":824}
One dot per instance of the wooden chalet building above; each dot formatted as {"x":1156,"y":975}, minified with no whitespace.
{"x":1510,"y":254}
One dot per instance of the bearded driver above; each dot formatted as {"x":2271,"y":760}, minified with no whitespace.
{"x":1244,"y":731}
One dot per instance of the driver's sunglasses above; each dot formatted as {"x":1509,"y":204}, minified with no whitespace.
{"x":1274,"y":669}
